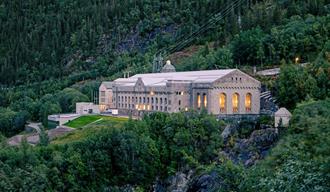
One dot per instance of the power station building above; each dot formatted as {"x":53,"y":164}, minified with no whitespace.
{"x":219,"y":92}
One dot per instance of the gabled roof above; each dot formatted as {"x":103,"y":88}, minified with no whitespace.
{"x":160,"y":79}
{"x":107,"y":84}
{"x":283,"y":112}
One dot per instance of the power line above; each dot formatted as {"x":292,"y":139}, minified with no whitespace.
{"x":183,"y":37}
{"x":213,"y":20}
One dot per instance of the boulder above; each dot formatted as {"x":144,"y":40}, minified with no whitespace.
{"x":176,"y":183}
{"x":263,"y":138}
{"x":206,"y":183}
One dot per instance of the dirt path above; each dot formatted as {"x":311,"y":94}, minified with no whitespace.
{"x":33,"y":138}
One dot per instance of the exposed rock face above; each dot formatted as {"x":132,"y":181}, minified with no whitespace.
{"x":247,"y":151}
{"x":177,"y":183}
{"x":250,"y":146}
{"x":228,"y":131}
{"x":126,"y":188}
{"x":134,"y":40}
{"x":264,"y":138}
{"x":206,"y":183}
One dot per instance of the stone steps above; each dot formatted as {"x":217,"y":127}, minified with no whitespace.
{"x":268,"y":103}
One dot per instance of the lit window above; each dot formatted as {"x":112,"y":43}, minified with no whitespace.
{"x":222,"y":102}
{"x":205,"y":100}
{"x":235,"y":102}
{"x":199,"y":100}
{"x":248,"y":103}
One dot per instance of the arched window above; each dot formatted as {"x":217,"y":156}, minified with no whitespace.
{"x":248,"y":102}
{"x":235,"y":102}
{"x":199,"y":101}
{"x":222,"y":102}
{"x":204,"y":100}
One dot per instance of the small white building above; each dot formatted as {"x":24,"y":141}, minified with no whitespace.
{"x":61,"y":119}
{"x":84,"y":108}
{"x":282,"y":115}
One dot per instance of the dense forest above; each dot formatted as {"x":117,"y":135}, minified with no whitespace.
{"x":161,"y":144}
{"x":55,"y":53}
{"x":54,"y":39}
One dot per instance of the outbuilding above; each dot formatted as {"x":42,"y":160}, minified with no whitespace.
{"x":282,"y":117}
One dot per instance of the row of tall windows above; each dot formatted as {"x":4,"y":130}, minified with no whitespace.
{"x":235,"y":102}
{"x":143,"y":103}
{"x":201,"y":99}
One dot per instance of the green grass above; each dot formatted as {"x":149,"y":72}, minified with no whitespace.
{"x":104,"y":122}
{"x":83,"y":121}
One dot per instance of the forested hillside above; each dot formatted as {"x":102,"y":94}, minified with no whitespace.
{"x":54,"y":53}
{"x":49,"y":46}
{"x":53,"y":39}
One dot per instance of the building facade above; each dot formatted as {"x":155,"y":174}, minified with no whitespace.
{"x":219,"y":92}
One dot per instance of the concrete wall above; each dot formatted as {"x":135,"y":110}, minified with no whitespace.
{"x":87,"y":108}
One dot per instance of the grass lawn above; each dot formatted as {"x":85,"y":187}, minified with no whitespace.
{"x":83,"y":120}
{"x":90,"y":127}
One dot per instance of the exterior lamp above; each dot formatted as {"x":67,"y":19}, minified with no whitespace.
{"x":296,"y":60}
